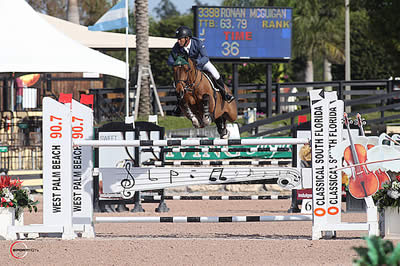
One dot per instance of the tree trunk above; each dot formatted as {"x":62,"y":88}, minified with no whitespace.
{"x":309,"y":74}
{"x":327,"y":73}
{"x":142,"y":53}
{"x":73,"y":11}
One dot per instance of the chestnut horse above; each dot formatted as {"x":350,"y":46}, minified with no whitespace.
{"x":198,"y":99}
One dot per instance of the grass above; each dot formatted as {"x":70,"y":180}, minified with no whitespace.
{"x":175,"y":122}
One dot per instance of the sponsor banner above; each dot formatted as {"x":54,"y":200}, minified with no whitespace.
{"x":304,"y":194}
{"x":320,"y":156}
{"x":82,"y":164}
{"x":334,"y":194}
{"x":57,"y":148}
{"x":273,"y":154}
{"x":228,"y":155}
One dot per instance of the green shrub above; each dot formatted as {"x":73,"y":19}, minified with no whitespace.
{"x":377,"y":252}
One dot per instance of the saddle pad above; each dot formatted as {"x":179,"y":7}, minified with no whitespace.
{"x":211,"y":81}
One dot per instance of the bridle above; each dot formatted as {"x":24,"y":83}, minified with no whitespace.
{"x":188,"y":87}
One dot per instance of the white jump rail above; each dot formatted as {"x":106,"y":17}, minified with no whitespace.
{"x":204,"y":219}
{"x":190,"y":142}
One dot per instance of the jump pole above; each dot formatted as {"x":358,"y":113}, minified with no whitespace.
{"x":203,"y":219}
{"x":218,"y":163}
{"x":229,"y":149}
{"x":253,"y":197}
{"x":196,"y":142}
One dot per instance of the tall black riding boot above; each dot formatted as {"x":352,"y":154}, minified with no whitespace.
{"x":221,"y":85}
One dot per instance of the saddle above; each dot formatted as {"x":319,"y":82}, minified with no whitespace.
{"x":212,"y":80}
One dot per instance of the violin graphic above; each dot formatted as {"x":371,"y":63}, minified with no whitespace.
{"x":382,"y":176}
{"x":362,"y":183}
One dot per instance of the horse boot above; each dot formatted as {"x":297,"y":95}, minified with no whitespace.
{"x":206,"y":116}
{"x":177,"y":110}
{"x":221,"y":86}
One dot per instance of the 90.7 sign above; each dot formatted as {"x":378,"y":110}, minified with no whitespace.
{"x":245,"y":33}
{"x":56,"y":127}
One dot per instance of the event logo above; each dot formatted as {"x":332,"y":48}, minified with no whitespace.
{"x":19,"y":250}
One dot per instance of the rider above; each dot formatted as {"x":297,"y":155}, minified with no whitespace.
{"x":195,"y":48}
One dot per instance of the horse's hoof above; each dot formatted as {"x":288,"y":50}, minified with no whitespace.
{"x":195,"y":123}
{"x":225,"y":134}
{"x":207,"y":120}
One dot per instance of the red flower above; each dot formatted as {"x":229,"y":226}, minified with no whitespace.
{"x":10,"y":204}
{"x":16,"y":183}
{"x":5,"y":181}
{"x":3,"y":200}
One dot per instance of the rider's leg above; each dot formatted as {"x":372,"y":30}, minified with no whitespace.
{"x":211,"y":68}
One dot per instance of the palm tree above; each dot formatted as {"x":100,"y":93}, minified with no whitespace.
{"x":142,"y":52}
{"x":318,"y":33}
{"x":73,"y":11}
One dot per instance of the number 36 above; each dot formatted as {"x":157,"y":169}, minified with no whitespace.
{"x":230,"y":48}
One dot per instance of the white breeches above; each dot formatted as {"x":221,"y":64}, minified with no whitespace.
{"x":211,"y":68}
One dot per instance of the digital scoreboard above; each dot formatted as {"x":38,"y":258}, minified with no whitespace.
{"x":245,"y":33}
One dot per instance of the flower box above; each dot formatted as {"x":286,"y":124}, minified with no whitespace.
{"x":7,"y":218}
{"x":387,"y":200}
{"x":392,"y":223}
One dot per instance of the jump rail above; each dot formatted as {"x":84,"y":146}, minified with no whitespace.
{"x":253,"y":197}
{"x":190,"y":142}
{"x":216,"y":163}
{"x":268,"y":149}
{"x":203,"y":219}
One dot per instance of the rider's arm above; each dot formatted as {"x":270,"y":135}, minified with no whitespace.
{"x":203,"y":58}
{"x":170,"y":60}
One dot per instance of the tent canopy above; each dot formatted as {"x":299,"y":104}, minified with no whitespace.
{"x":104,"y":40}
{"x":31,"y":44}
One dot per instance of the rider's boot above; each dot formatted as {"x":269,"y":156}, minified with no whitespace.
{"x":221,"y":86}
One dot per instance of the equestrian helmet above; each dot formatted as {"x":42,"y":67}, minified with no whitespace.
{"x":183,"y":32}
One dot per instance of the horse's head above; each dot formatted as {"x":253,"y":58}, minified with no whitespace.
{"x":181,"y":75}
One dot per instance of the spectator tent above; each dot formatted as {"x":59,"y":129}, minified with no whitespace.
{"x":30,"y":44}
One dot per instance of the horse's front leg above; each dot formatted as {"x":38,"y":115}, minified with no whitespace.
{"x":189,"y":114}
{"x":206,"y":106}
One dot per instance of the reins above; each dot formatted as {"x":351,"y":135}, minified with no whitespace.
{"x":190,"y":87}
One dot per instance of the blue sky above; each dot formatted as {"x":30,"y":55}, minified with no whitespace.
{"x":182,"y":5}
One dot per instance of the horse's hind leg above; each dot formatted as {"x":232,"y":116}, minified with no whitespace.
{"x":221,"y":127}
{"x":206,"y":106}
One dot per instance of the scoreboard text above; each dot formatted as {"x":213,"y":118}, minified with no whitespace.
{"x":245,"y":33}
